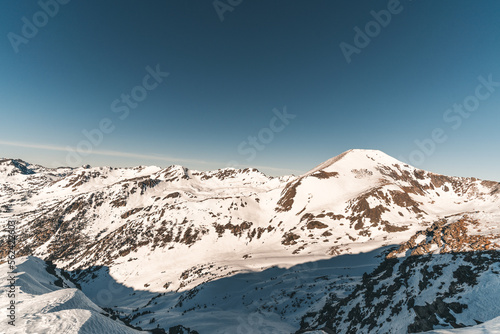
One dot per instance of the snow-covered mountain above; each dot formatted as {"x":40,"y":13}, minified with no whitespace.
{"x":49,"y":302}
{"x":236,"y":251}
{"x":447,"y":276}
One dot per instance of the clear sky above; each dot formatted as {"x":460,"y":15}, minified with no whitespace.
{"x":277,"y":85}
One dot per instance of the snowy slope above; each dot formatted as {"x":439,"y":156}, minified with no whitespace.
{"x":447,"y":276}
{"x":170,"y":231}
{"x":490,"y":327}
{"x":44,"y":307}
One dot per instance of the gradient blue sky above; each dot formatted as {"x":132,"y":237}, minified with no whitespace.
{"x":227,"y":77}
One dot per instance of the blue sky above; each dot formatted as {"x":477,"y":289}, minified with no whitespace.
{"x":225,"y":78}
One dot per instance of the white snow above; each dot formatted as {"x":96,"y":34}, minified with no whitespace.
{"x":44,"y":308}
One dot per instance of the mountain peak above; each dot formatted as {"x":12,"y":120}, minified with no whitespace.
{"x":356,"y":158}
{"x":18,"y":166}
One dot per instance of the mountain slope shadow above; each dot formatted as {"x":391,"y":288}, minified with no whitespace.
{"x":417,"y":293}
{"x":270,"y":301}
{"x":119,"y":301}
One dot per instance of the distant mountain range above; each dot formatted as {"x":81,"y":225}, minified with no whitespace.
{"x":363,"y":243}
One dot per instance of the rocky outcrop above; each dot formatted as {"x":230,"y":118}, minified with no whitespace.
{"x":422,"y":285}
{"x":448,"y":237}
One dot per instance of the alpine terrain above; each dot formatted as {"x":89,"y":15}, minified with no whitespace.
{"x":362,"y":243}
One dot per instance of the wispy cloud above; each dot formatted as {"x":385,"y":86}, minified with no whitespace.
{"x":39,"y":146}
{"x":106,"y":153}
{"x":167,"y":159}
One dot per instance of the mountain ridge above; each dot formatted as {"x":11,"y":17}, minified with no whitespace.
{"x":174,"y":230}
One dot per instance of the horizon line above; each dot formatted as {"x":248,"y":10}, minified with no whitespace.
{"x":112,"y":153}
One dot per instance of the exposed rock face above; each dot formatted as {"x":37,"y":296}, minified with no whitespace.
{"x":430,"y":281}
{"x":443,"y":237}
{"x":288,"y":196}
